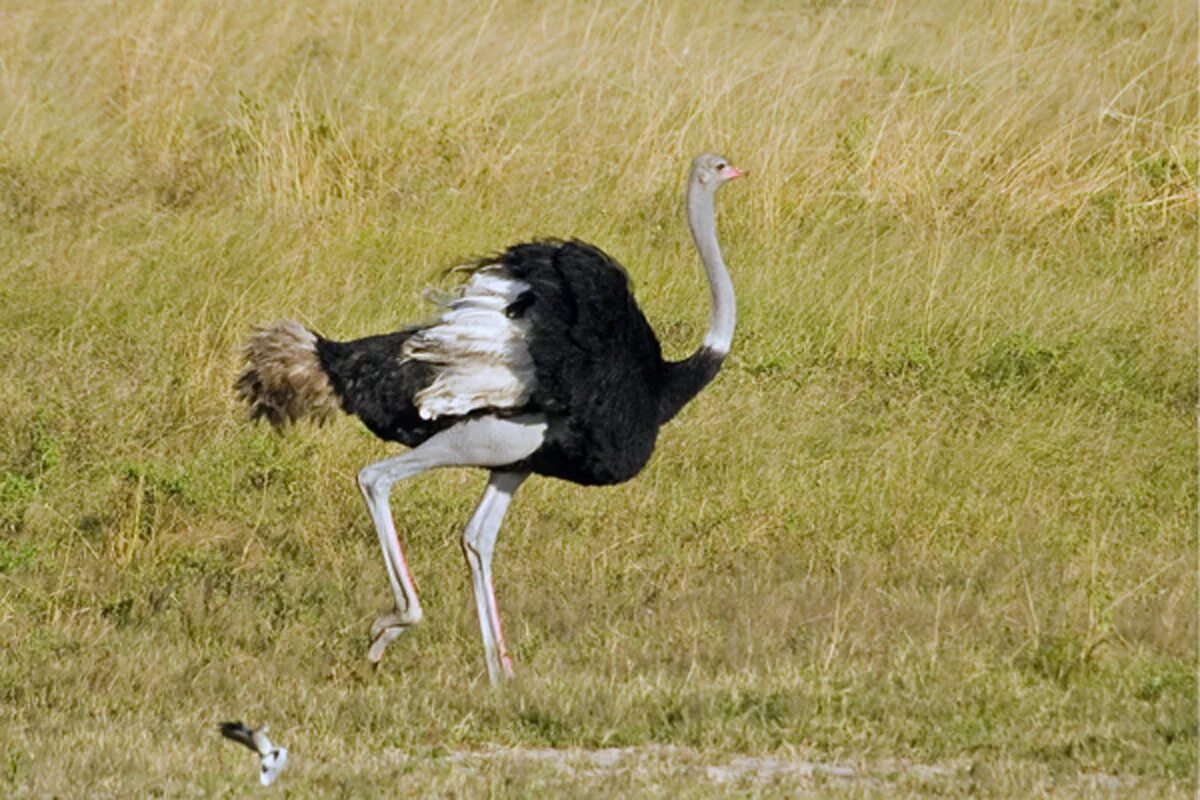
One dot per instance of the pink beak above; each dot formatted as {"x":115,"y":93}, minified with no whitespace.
{"x":730,"y":172}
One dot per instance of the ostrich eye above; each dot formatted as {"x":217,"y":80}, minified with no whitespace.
{"x":721,"y":165}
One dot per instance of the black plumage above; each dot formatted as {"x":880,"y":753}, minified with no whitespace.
{"x":601,"y":378}
{"x":599,"y":367}
{"x":375,"y":383}
{"x":238,"y":732}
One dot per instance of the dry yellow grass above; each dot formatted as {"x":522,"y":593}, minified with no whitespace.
{"x":939,"y":509}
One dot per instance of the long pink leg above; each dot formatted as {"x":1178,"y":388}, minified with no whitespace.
{"x":387,"y":627}
{"x":489,"y":442}
{"x":478,"y":543}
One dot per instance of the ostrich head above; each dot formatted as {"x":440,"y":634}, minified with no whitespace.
{"x":713,"y":171}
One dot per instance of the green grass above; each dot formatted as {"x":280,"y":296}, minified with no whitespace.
{"x":939,"y":509}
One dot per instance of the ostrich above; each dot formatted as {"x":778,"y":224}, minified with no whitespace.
{"x":541,"y":363}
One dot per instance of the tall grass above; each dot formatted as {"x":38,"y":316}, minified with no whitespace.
{"x":939,"y":507}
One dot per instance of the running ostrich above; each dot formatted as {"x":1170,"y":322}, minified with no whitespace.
{"x":541,"y":363}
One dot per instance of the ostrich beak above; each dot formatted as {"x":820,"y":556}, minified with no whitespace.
{"x":730,"y":172}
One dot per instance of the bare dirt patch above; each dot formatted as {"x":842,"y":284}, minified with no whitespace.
{"x":788,"y":774}
{"x":792,"y":771}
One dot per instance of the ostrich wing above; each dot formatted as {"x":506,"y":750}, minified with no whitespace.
{"x":237,"y":732}
{"x":478,"y":350}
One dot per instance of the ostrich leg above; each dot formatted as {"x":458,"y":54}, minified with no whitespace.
{"x":478,"y":542}
{"x":387,"y":627}
{"x":479,"y":442}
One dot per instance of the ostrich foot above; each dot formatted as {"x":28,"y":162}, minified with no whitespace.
{"x":387,"y":628}
{"x":381,"y":641}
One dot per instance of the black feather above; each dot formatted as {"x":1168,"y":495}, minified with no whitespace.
{"x":599,"y":366}
{"x":517,"y":307}
{"x":683,"y":380}
{"x":237,"y":732}
{"x":372,"y":383}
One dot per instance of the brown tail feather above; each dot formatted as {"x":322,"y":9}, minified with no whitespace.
{"x":283,"y":380}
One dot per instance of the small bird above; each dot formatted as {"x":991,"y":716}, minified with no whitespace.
{"x":542,"y":363}
{"x":273,"y":758}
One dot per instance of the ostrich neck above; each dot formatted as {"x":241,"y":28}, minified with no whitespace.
{"x":722,"y":314}
{"x":684,"y":379}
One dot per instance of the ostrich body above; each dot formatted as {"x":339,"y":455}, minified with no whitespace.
{"x":541,"y":363}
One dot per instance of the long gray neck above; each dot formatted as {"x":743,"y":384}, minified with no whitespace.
{"x":684,"y":379}
{"x":723,"y":313}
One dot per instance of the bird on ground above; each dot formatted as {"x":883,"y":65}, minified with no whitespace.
{"x":273,"y":758}
{"x":541,"y":363}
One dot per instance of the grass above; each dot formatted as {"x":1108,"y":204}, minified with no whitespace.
{"x":939,"y":509}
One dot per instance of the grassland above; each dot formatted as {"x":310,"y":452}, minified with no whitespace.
{"x":939,"y":510}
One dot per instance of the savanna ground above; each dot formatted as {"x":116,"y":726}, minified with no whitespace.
{"x":933,"y":528}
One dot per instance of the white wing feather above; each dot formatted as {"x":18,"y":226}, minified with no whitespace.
{"x":481,"y":354}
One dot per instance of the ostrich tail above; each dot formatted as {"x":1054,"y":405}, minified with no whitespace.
{"x":283,"y":380}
